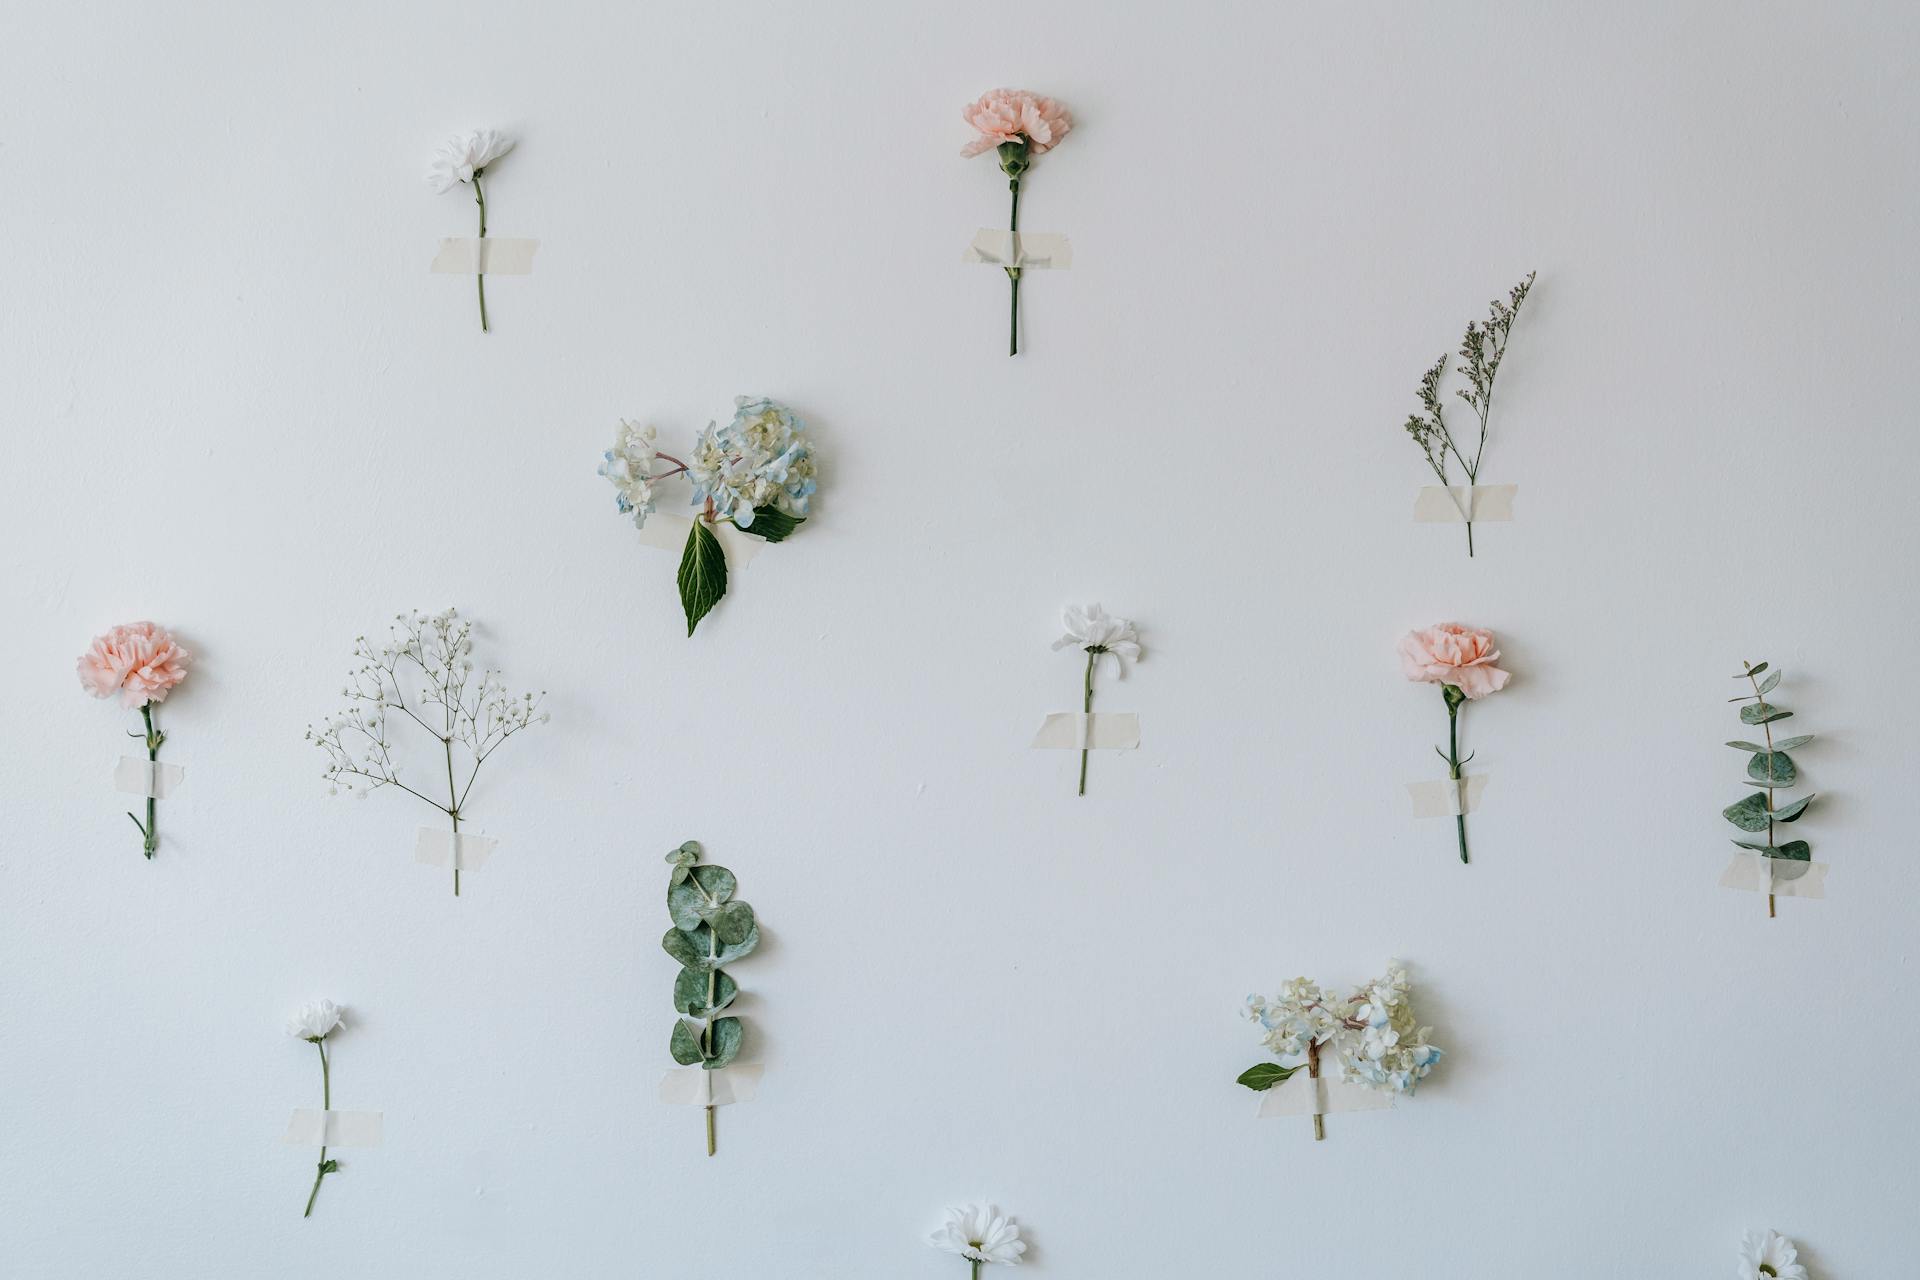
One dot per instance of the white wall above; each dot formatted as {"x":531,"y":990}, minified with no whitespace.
{"x":239,"y":404}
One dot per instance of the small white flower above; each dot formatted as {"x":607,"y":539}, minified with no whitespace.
{"x":1094,"y":630}
{"x":316,"y":1021}
{"x":980,"y":1233}
{"x":464,"y":156}
{"x":1768,"y":1253}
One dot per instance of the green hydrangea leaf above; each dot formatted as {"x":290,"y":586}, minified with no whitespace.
{"x":690,"y":993}
{"x":1793,"y":811}
{"x":1749,"y":815}
{"x":1779,"y":763}
{"x":1762,"y":713}
{"x":686,"y":1043}
{"x":703,"y":574}
{"x":727,"y":1035}
{"x":772,"y":524}
{"x":1788,"y":744}
{"x":1264,"y":1076}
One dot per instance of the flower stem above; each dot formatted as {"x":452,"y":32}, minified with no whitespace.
{"x":1453,"y":761}
{"x":1087,"y":707}
{"x":480,"y":278}
{"x":1013,"y":273}
{"x":454,"y":813}
{"x":150,"y":834}
{"x":976,"y":1267}
{"x":1313,"y":1073}
{"x":326,"y":1104}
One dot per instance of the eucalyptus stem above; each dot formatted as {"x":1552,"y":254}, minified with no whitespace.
{"x":326,"y":1104}
{"x":1087,"y":707}
{"x":1013,"y":273}
{"x":706,"y":1032}
{"x":480,"y":277}
{"x":1768,"y":730}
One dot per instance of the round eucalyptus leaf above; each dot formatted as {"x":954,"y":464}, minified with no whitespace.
{"x":689,"y":947}
{"x":1781,"y":766}
{"x":733,"y":922}
{"x":1793,"y":811}
{"x":690,"y":992}
{"x":685,"y":1045}
{"x":1749,"y":815}
{"x":727,"y":1034}
{"x":716,"y":882}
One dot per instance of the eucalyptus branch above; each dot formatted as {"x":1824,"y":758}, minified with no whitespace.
{"x":1769,"y":768}
{"x":711,"y":928}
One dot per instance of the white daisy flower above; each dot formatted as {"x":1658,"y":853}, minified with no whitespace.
{"x":1768,"y":1253}
{"x":980,"y":1233}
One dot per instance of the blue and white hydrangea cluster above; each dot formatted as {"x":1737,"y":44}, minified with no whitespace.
{"x":629,"y":465}
{"x":762,"y":458}
{"x":1372,"y":1032}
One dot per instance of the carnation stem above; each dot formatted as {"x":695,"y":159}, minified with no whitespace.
{"x":150,"y":833}
{"x":1092,"y":657}
{"x":326,"y":1104}
{"x":480,"y":277}
{"x":1013,"y":273}
{"x":1313,"y":1073}
{"x":1453,"y":757}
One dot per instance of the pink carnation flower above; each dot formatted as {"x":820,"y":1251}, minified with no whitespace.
{"x":1452,"y":654}
{"x":141,"y":661}
{"x":1008,"y":115}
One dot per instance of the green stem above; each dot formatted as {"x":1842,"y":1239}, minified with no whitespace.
{"x":976,"y":1267}
{"x":706,"y":1032}
{"x":480,"y":278}
{"x":1313,"y":1072}
{"x":1453,"y":763}
{"x":1013,"y":273}
{"x":453,"y":812}
{"x":1087,"y":707}
{"x":151,"y":831}
{"x":1768,"y":730}
{"x":326,"y":1104}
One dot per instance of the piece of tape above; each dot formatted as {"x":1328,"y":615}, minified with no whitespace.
{"x":1783,"y":877}
{"x":1079,"y":731}
{"x":1447,"y":798}
{"x":155,"y":778}
{"x":1459,"y":503}
{"x":1026,"y":249}
{"x":1304,"y":1095}
{"x":310,"y":1128}
{"x":492,"y":256}
{"x":669,"y":533}
{"x":721,"y":1087}
{"x":464,"y":850}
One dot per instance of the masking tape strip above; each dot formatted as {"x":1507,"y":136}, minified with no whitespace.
{"x":1446,"y":798}
{"x":310,"y":1128}
{"x":155,"y":778}
{"x":721,"y":1087}
{"x":436,"y":848}
{"x":669,"y":533}
{"x":1437,"y":505}
{"x":1303,"y":1095}
{"x":1078,"y":731}
{"x":1782,"y":877}
{"x":492,"y":256}
{"x":1027,"y":249}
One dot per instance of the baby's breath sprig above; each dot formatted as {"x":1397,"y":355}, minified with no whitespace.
{"x":452,"y":705}
{"x":1481,"y":351}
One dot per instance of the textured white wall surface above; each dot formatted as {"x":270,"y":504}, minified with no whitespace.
{"x":237,"y":403}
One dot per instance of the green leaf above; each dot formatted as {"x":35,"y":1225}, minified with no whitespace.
{"x":689,"y":948}
{"x":1781,"y":767}
{"x":685,"y":856}
{"x":1788,"y":744}
{"x":679,"y":874}
{"x":696,"y":900}
{"x":1748,"y":746}
{"x":1752,"y":671}
{"x":1793,"y":811}
{"x":690,"y":993}
{"x":1749,"y":815}
{"x":727,"y":1034}
{"x":1795,"y":851}
{"x":772,"y":524}
{"x":734,"y":950}
{"x":1264,"y":1076}
{"x":733,"y":923}
{"x":703,"y":574}
{"x":686,"y":1043}
{"x":1767,"y":685}
{"x":1756,"y":847}
{"x":1762,"y":713}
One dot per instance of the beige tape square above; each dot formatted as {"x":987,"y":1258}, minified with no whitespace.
{"x":721,"y":1087}
{"x":1782,"y":877}
{"x":1078,"y":731}
{"x":310,"y":1128}
{"x":140,"y":777}
{"x":493,"y":256}
{"x":1024,"y":249}
{"x":669,"y":533}
{"x":466,"y":850}
{"x":1446,"y":798}
{"x":1490,"y":502}
{"x":1303,"y":1095}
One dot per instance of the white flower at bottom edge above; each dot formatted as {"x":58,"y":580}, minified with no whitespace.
{"x":1097,"y":631}
{"x":980,"y":1233}
{"x":316,"y":1020}
{"x":1768,"y":1253}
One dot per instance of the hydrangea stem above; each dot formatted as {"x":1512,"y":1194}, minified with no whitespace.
{"x":326,"y":1104}
{"x":1313,"y":1073}
{"x":1087,"y":707}
{"x":1013,"y":273}
{"x":480,"y":277}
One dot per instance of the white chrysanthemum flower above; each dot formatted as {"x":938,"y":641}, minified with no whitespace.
{"x":463,"y":156}
{"x":980,"y":1233}
{"x":1099,"y":633}
{"x":629,"y":465}
{"x":1768,"y":1253}
{"x":316,"y":1021}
